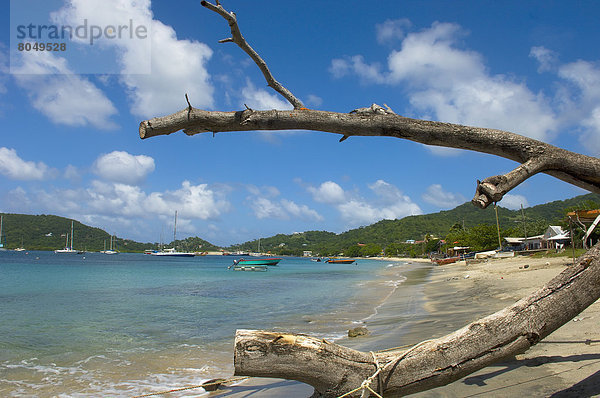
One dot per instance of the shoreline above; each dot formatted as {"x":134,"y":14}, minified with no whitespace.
{"x":565,"y":364}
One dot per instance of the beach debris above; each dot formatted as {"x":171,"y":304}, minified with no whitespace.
{"x":358,"y":331}
{"x":467,"y":276}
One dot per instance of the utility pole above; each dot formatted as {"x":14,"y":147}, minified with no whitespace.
{"x":524,"y":228}
{"x":498,"y":227}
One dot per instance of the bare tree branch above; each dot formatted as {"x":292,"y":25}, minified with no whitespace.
{"x":237,"y":38}
{"x":534,"y":156}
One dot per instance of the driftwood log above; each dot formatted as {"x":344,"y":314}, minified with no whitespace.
{"x":334,"y":370}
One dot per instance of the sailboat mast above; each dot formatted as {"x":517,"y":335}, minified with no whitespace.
{"x":71,"y":235}
{"x":175,"y":228}
{"x":1,"y":221}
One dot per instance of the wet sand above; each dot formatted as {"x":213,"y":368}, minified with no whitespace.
{"x":565,"y":364}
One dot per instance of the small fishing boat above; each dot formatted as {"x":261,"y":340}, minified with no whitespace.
{"x":339,"y":261}
{"x":258,"y":261}
{"x":253,"y":264}
{"x":447,"y":260}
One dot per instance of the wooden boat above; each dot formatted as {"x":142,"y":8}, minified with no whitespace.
{"x":447,"y":260}
{"x":340,"y":261}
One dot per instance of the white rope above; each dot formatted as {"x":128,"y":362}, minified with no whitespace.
{"x":365,"y":386}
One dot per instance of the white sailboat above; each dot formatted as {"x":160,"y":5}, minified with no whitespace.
{"x":68,"y":249}
{"x":2,"y":248}
{"x":172,"y":252}
{"x":20,"y":248}
{"x":111,"y":250}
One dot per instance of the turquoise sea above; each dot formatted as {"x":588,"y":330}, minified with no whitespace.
{"x":130,"y":324}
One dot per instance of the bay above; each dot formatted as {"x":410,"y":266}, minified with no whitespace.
{"x":127,"y":324}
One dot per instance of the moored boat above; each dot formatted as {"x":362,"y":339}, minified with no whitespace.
{"x":68,"y":249}
{"x":250,"y":268}
{"x":340,"y":261}
{"x":172,"y":253}
{"x":258,"y":261}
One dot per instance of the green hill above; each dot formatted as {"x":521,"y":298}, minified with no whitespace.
{"x":533,"y":220}
{"x":48,"y":232}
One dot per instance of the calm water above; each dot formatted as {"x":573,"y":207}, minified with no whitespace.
{"x":92,"y":325}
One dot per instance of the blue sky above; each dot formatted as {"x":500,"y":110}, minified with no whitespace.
{"x":69,"y":138}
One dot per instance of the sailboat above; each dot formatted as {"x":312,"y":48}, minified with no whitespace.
{"x":110,"y":251}
{"x":20,"y":248}
{"x":2,"y":248}
{"x":68,"y":249}
{"x":172,"y":252}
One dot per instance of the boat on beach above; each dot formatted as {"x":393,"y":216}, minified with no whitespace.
{"x":340,"y":261}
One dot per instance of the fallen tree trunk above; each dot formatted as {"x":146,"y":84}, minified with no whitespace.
{"x":334,"y":370}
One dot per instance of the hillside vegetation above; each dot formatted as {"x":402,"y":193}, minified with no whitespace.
{"x":386,"y":233}
{"x":48,"y":232}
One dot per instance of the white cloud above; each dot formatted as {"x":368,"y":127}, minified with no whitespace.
{"x":266,"y":208}
{"x":513,"y":202}
{"x":123,"y":167}
{"x":386,"y":202}
{"x":72,"y":173}
{"x":356,"y":65}
{"x":300,"y":211}
{"x":65,"y":98}
{"x":392,"y":30}
{"x":328,"y":192}
{"x":437,"y":196}
{"x":545,"y":57}
{"x":265,"y":204}
{"x":580,"y":99}
{"x":177,"y":66}
{"x":130,"y":202}
{"x":265,"y":191}
{"x":15,"y":168}
{"x":314,"y":100}
{"x":453,"y":85}
{"x":257,"y":98}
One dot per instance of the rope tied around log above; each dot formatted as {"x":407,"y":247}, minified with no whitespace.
{"x":365,"y":386}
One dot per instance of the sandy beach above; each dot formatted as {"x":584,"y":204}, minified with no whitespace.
{"x":565,"y":364}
